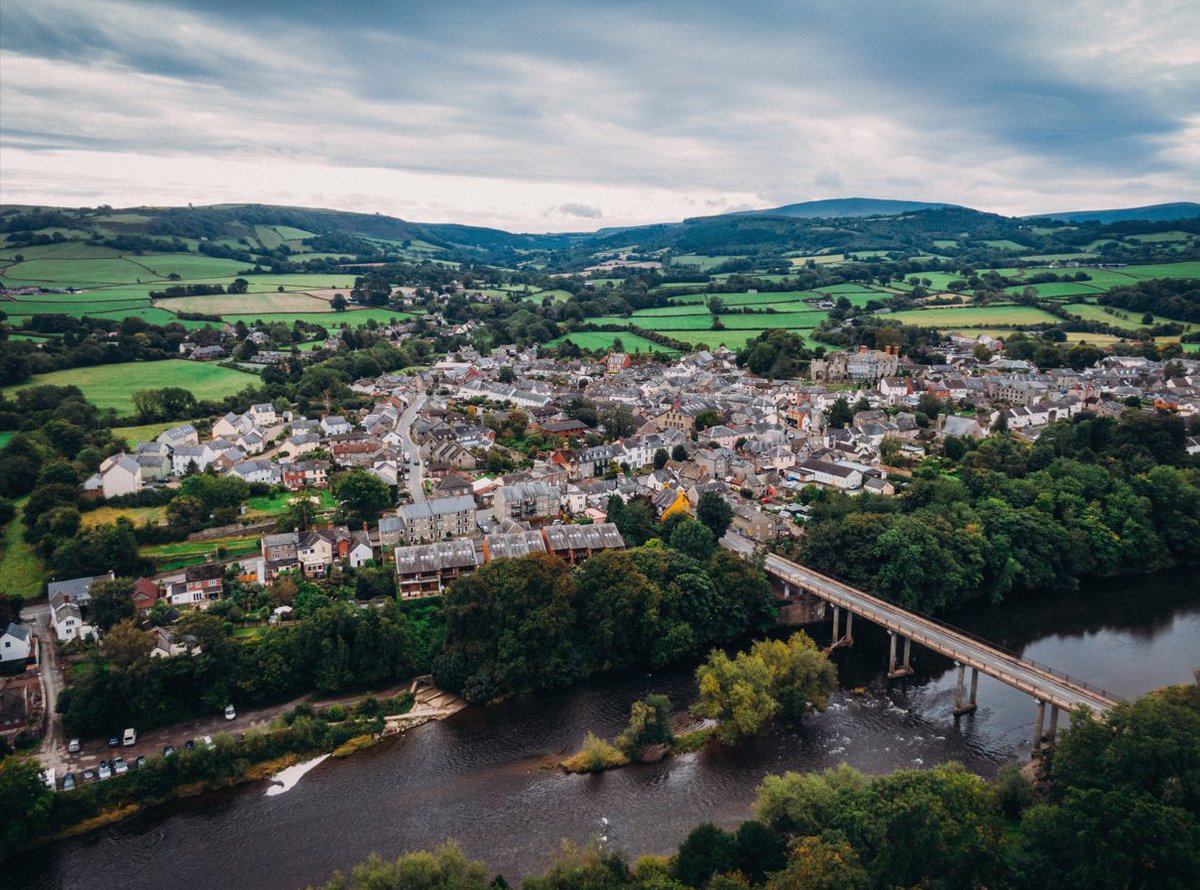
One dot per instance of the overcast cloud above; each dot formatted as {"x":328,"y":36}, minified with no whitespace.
{"x":565,"y":116}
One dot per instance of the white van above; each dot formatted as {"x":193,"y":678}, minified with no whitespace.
{"x":130,"y":737}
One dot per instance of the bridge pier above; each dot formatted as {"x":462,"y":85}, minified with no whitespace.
{"x":960,"y":706}
{"x":839,"y":639}
{"x":895,"y":671}
{"x":1037,"y":727}
{"x":1053,"y":730}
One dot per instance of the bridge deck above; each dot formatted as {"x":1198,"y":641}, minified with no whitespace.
{"x":1037,"y":680}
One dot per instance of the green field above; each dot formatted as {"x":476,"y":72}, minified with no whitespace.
{"x":604,"y":340}
{"x":982,"y":316}
{"x":170,"y":557}
{"x":21,"y":571}
{"x":112,"y":386}
{"x":274,"y":504}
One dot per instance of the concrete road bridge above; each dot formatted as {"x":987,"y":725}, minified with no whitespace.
{"x":1048,"y":687}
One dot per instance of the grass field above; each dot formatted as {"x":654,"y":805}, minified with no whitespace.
{"x":136,"y":515}
{"x":21,"y":571}
{"x":982,"y":316}
{"x":147,"y":432}
{"x":112,"y":386}
{"x":273,"y":505}
{"x":604,"y":340}
{"x":222,"y":304}
{"x":169,"y":557}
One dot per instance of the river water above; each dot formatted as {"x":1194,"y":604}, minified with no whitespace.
{"x":486,"y":776}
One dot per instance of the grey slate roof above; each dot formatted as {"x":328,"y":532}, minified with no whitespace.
{"x":600,"y":536}
{"x":437,"y":507}
{"x":428,"y":558}
{"x":514,"y":544}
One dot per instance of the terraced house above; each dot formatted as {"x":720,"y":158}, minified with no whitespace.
{"x":438,"y":519}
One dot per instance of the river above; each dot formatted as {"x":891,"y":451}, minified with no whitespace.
{"x":486,"y":776}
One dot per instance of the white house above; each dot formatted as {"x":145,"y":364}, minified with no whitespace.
{"x":120,"y":474}
{"x":827,"y":473}
{"x":184,"y":456}
{"x":15,"y":643}
{"x":361,"y":551}
{"x":263,"y":415}
{"x":335,"y":425}
{"x":258,"y":471}
{"x":69,"y":624}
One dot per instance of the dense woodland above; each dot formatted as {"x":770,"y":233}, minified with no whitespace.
{"x":1092,"y":497}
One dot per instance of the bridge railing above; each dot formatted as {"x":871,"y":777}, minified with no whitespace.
{"x":1061,"y":675}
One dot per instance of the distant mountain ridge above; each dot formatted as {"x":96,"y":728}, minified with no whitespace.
{"x":846,"y":208}
{"x":1150,"y":212}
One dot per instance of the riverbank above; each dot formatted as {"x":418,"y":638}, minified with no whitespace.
{"x":221,"y":761}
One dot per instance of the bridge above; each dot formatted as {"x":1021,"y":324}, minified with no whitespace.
{"x":1047,"y":686}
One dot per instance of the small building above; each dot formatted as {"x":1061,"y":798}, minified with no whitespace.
{"x":575,"y":543}
{"x":205,"y":581}
{"x":428,"y":569}
{"x":512,"y":545}
{"x":145,"y":594}
{"x":16,"y":644}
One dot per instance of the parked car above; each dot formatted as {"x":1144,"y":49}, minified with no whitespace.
{"x":208,"y":742}
{"x":168,"y":750}
{"x":119,"y":766}
{"x":113,"y":741}
{"x":190,"y":744}
{"x":130,"y":737}
{"x":89,"y":775}
{"x":69,"y":782}
{"x":73,"y":746}
{"x":141,"y":760}
{"x":104,"y":770}
{"x":230,"y":713}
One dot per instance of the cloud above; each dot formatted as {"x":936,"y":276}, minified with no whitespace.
{"x":583,"y":211}
{"x":491,"y":113}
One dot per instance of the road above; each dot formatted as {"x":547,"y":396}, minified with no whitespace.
{"x":53,"y":749}
{"x":1037,"y":680}
{"x":404,"y":429}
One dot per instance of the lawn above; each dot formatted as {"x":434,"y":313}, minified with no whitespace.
{"x":604,"y":340}
{"x":274,"y":504}
{"x":20,"y":570}
{"x":112,"y":386}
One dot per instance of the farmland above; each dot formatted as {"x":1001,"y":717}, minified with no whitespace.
{"x":604,"y":340}
{"x":112,"y":386}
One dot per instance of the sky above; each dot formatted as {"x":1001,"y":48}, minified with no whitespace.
{"x":570,"y":116}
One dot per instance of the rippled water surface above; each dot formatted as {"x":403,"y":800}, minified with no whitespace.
{"x":487,"y":776}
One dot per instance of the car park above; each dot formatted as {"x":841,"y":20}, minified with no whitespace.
{"x":104,"y":770}
{"x":119,"y":766}
{"x":69,"y":782}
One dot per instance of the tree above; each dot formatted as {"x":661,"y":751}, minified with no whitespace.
{"x":839,"y":413}
{"x":111,"y":601}
{"x":649,"y":724}
{"x":362,"y":494}
{"x":126,"y":644}
{"x":238,"y":286}
{"x":693,"y":538}
{"x":715,"y":512}
{"x":660,"y":458}
{"x":26,"y":802}
{"x":445,"y":868}
{"x":372,"y":289}
{"x":706,"y":418}
{"x":618,"y":420}
{"x":339,"y":303}
{"x":707,"y":851}
{"x":679,"y":453}
{"x":774,"y":677}
{"x":814,"y":863}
